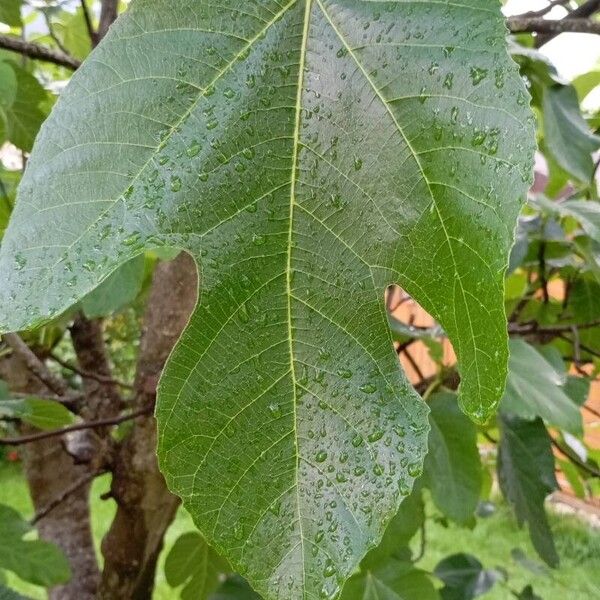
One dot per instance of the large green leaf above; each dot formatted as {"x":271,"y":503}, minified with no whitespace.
{"x":306,"y":154}
{"x":526,"y":476}
{"x":452,"y":466}
{"x":35,"y":561}
{"x":536,"y":389}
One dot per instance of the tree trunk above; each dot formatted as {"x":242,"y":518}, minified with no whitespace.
{"x":145,"y":506}
{"x":50,"y":470}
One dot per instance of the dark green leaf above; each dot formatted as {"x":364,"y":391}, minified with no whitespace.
{"x":195,"y":565}
{"x":305,"y":161}
{"x":118,"y":290}
{"x":25,"y":115}
{"x":566,"y":134}
{"x":464,"y":577}
{"x":527,"y":593}
{"x":43,"y":414}
{"x":536,"y":389}
{"x":34,"y":561}
{"x":526,"y":476}
{"x":393,"y":580}
{"x":8,"y":594}
{"x":235,"y":588}
{"x":452,"y":466}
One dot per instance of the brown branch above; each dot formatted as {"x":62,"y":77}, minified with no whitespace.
{"x":66,"y":493}
{"x":36,"y":437}
{"x":39,"y":52}
{"x":88,"y":374}
{"x":108,"y":14}
{"x":534,"y":327}
{"x":413,"y":363}
{"x":552,"y":27}
{"x":88,"y":23}
{"x":35,"y":365}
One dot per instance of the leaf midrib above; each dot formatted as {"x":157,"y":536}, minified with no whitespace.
{"x":251,"y":42}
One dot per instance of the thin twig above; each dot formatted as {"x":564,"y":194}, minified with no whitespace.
{"x":53,"y":35}
{"x":88,"y":23}
{"x":413,"y":363}
{"x":35,"y":365}
{"x":37,"y":51}
{"x":88,"y":374}
{"x":36,"y":437}
{"x":575,"y":459}
{"x":534,"y":327}
{"x":74,"y":487}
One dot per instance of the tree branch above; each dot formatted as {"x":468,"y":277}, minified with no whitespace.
{"x":575,"y":459}
{"x":552,"y":27}
{"x":66,"y":493}
{"x":37,"y":51}
{"x":35,"y":365}
{"x":108,"y":14}
{"x":88,"y":23}
{"x":36,"y":437}
{"x":88,"y":374}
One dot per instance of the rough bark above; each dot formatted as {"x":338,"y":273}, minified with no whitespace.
{"x":50,"y":470}
{"x":145,"y":508}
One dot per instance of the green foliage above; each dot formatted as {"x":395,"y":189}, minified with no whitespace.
{"x":117,"y":291}
{"x":526,"y":476}
{"x":285,"y":423}
{"x":393,"y":580}
{"x":452,"y":465}
{"x":191,"y":563}
{"x":464,"y":577}
{"x":35,"y":561}
{"x":535,"y":389}
{"x":10,"y":12}
{"x":43,"y":414}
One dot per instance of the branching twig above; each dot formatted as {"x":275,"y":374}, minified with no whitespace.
{"x":36,"y":437}
{"x":88,"y":374}
{"x":35,"y":365}
{"x":88,"y":23}
{"x":33,"y":50}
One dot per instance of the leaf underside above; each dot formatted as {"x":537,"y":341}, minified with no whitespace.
{"x":307,"y":154}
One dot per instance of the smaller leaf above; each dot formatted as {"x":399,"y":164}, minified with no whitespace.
{"x":35,"y":561}
{"x":526,"y":476}
{"x":235,"y":588}
{"x":10,"y":12}
{"x":536,"y":389}
{"x":452,"y":465}
{"x":567,"y":135}
{"x":43,"y":414}
{"x":195,"y":565}
{"x":527,"y":593}
{"x":393,"y":580}
{"x":464,"y":577}
{"x":115,"y":292}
